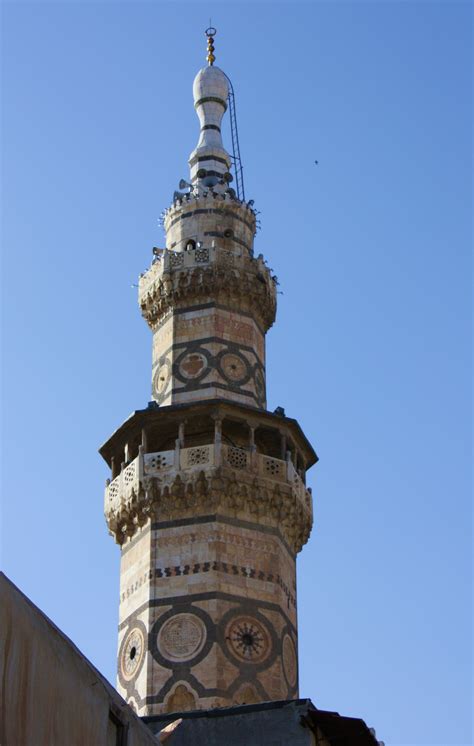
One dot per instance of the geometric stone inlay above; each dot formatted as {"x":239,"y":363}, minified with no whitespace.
{"x":196,"y":568}
{"x":182,"y":637}
{"x":192,"y":365}
{"x":248,"y":639}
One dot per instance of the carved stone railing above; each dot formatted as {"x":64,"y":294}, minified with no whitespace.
{"x":237,"y":458}
{"x":184,"y":479}
{"x":157,"y":463}
{"x":197,"y":457}
{"x":123,"y":486}
{"x":177,"y":260}
{"x":272,"y":468}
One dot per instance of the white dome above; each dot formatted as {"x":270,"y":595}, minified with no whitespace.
{"x":210,"y":81}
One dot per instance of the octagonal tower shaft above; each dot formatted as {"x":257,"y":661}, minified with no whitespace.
{"x":207,"y":497}
{"x":208,"y":301}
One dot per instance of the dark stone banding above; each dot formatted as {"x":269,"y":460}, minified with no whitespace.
{"x":223,"y":567}
{"x":210,"y":99}
{"x":219,"y":174}
{"x":218,"y":234}
{"x":213,"y":210}
{"x":231,"y":347}
{"x":217,"y":385}
{"x":178,"y":602}
{"x":204,"y":158}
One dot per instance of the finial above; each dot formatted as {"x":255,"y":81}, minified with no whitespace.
{"x":210,"y":33}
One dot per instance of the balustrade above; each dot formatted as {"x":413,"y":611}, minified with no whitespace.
{"x":196,"y":458}
{"x":238,"y":458}
{"x":201,"y":256}
{"x":122,"y":486}
{"x":272,"y":468}
{"x":154,"y":463}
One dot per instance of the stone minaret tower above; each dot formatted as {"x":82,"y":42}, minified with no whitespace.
{"x":207,"y":496}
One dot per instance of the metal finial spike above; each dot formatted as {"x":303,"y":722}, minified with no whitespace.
{"x":210,"y":33}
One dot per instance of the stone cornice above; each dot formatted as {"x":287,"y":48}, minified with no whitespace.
{"x":154,"y":419}
{"x":242,"y":283}
{"x":220,"y":489}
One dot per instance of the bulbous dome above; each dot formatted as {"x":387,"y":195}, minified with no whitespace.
{"x":210,"y":81}
{"x":209,"y":160}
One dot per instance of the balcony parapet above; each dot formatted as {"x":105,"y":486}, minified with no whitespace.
{"x":209,"y":478}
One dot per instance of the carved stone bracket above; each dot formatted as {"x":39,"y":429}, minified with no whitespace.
{"x":218,"y":489}
{"x":248,"y":288}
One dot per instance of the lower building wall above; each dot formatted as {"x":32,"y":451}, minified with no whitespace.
{"x":51,"y":694}
{"x":270,"y":724}
{"x":281,"y":723}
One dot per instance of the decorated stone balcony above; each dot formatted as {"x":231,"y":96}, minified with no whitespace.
{"x":174,"y":480}
{"x":208,"y":458}
{"x":177,"y":276}
{"x":201,"y":256}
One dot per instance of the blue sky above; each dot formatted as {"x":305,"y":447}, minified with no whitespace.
{"x":371,"y":349}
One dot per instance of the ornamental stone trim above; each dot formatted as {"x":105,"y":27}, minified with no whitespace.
{"x":244,"y":288}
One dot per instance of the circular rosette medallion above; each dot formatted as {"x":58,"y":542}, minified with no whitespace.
{"x":289,"y":661}
{"x":181,"y":637}
{"x":248,"y":640}
{"x":234,"y":367}
{"x":133,"y":650}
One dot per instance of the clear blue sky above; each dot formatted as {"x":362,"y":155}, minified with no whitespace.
{"x":371,"y":349}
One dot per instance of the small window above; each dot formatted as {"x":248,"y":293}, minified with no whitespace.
{"x":190,"y":245}
{"x":116,"y":731}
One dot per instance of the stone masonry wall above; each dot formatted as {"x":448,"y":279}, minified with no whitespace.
{"x":218,"y":609}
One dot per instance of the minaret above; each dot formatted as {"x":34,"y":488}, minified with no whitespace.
{"x":208,"y":496}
